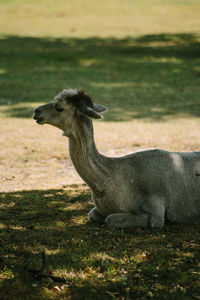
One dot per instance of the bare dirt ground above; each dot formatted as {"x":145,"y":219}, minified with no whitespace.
{"x":36,"y":157}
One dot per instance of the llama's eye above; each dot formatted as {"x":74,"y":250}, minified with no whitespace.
{"x":58,"y":108}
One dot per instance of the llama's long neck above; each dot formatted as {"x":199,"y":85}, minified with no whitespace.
{"x":89,"y":163}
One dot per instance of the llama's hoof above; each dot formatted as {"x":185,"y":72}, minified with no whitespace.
{"x":94,"y":216}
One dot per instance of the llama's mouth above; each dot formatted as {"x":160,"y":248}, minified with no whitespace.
{"x":39,"y":120}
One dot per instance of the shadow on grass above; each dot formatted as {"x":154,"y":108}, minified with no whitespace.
{"x":47,"y":242}
{"x":20,"y":112}
{"x":153,"y":76}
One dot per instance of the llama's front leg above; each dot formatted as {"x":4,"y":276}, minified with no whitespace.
{"x":155,"y":208}
{"x":127,"y":220}
{"x":94,"y":216}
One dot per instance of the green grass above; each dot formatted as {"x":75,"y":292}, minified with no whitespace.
{"x":50,"y":251}
{"x":139,"y":58}
{"x":153,"y":76}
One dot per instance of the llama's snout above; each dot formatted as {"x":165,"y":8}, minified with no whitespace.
{"x":37,"y":115}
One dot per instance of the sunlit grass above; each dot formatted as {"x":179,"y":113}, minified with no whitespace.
{"x":41,"y":159}
{"x":99,"y":18}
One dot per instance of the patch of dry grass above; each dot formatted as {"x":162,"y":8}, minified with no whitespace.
{"x":98,"y":18}
{"x":36,"y":157}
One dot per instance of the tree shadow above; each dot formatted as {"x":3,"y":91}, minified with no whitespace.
{"x":151,"y":76}
{"x":54,"y":223}
{"x":22,"y":112}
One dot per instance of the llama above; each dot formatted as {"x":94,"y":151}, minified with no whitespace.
{"x":143,"y":189}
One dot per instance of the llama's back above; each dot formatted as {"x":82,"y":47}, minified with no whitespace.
{"x":173,"y":176}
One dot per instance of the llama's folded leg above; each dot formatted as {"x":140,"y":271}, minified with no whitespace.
{"x":155,"y":208}
{"x":127,"y":220}
{"x":94,"y":216}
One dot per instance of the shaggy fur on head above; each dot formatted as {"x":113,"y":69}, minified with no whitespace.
{"x":76,"y":97}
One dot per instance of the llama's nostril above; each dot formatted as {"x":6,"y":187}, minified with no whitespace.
{"x":37,"y":110}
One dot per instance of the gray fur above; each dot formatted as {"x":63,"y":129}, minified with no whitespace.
{"x":144,"y":189}
{"x":91,"y":113}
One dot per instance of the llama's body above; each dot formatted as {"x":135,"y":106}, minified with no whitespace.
{"x":143,"y":189}
{"x":163,"y":185}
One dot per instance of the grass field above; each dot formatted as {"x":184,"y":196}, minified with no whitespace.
{"x":142,"y":60}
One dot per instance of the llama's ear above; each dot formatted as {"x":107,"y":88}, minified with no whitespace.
{"x":99,"y":108}
{"x":89,"y":112}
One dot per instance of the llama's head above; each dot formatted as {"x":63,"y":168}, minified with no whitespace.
{"x":68,"y":106}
